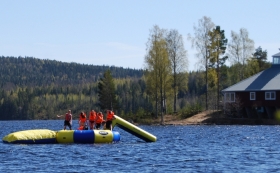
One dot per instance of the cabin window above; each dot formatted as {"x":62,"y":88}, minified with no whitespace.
{"x":252,"y":95}
{"x":276,"y":60}
{"x":270,"y":95}
{"x":230,"y":97}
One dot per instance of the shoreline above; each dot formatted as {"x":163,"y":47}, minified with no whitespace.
{"x":215,"y":118}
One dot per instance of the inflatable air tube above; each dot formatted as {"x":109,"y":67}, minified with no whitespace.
{"x":37,"y":136}
{"x":87,"y":136}
{"x":132,"y":129}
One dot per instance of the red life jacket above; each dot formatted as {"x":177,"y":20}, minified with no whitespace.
{"x":99,"y":118}
{"x":68,"y":117}
{"x":110,"y":115}
{"x":92,"y":116}
{"x":83,"y":118}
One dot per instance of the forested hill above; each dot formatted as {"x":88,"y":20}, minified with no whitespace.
{"x":29,"y":71}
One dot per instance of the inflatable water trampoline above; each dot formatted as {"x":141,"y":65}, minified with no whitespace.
{"x":45,"y":136}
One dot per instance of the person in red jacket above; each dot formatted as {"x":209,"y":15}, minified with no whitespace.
{"x":68,"y":120}
{"x":82,"y":121}
{"x":98,"y":120}
{"x":109,"y":118}
{"x":91,"y":119}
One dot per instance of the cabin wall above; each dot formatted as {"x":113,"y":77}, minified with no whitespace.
{"x":259,"y":108}
{"x":244,"y":98}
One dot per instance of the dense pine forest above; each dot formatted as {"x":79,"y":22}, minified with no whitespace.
{"x":33,"y":88}
{"x":39,"y":89}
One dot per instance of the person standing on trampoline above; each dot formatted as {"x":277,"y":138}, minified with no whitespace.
{"x":109,"y":118}
{"x":91,"y":119}
{"x":98,"y":120}
{"x":83,"y":125}
{"x":68,"y":119}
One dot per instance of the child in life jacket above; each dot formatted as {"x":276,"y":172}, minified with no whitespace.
{"x":109,"y":118}
{"x":98,"y":120}
{"x":91,"y":119}
{"x":82,"y":121}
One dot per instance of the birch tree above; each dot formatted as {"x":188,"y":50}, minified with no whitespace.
{"x":157,"y":66}
{"x":200,"y":41}
{"x":179,"y":63}
{"x":240,"y":49}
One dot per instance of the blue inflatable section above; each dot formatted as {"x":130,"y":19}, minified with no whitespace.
{"x":88,"y":136}
{"x":83,"y":136}
{"x":116,"y":136}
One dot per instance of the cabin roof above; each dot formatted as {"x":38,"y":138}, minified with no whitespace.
{"x":266,"y":80}
{"x":278,"y":54}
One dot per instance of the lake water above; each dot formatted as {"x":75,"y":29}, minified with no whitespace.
{"x":192,"y":148}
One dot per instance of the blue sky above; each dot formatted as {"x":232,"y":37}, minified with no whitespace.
{"x":115,"y":32}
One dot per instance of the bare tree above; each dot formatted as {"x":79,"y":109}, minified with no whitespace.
{"x":179,"y":63}
{"x":240,"y":49}
{"x":201,"y":42}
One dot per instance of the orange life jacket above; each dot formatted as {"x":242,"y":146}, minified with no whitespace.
{"x":110,"y":115}
{"x":83,"y":119}
{"x":99,"y":118}
{"x":92,"y":116}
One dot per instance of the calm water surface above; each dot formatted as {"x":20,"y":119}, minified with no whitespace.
{"x":178,"y":149}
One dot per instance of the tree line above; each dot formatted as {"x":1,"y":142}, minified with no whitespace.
{"x":32,"y":88}
{"x":39,"y":89}
{"x":29,"y":71}
{"x":27,"y":98}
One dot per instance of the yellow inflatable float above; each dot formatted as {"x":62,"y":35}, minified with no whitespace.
{"x":45,"y":136}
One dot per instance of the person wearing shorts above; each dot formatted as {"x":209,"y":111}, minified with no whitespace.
{"x":68,"y":120}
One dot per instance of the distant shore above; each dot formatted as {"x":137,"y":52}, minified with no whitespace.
{"x":208,"y":118}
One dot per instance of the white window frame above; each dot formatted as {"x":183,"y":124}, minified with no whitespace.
{"x":270,"y":95}
{"x":252,"y":95}
{"x":230,"y":97}
{"x":276,"y":60}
